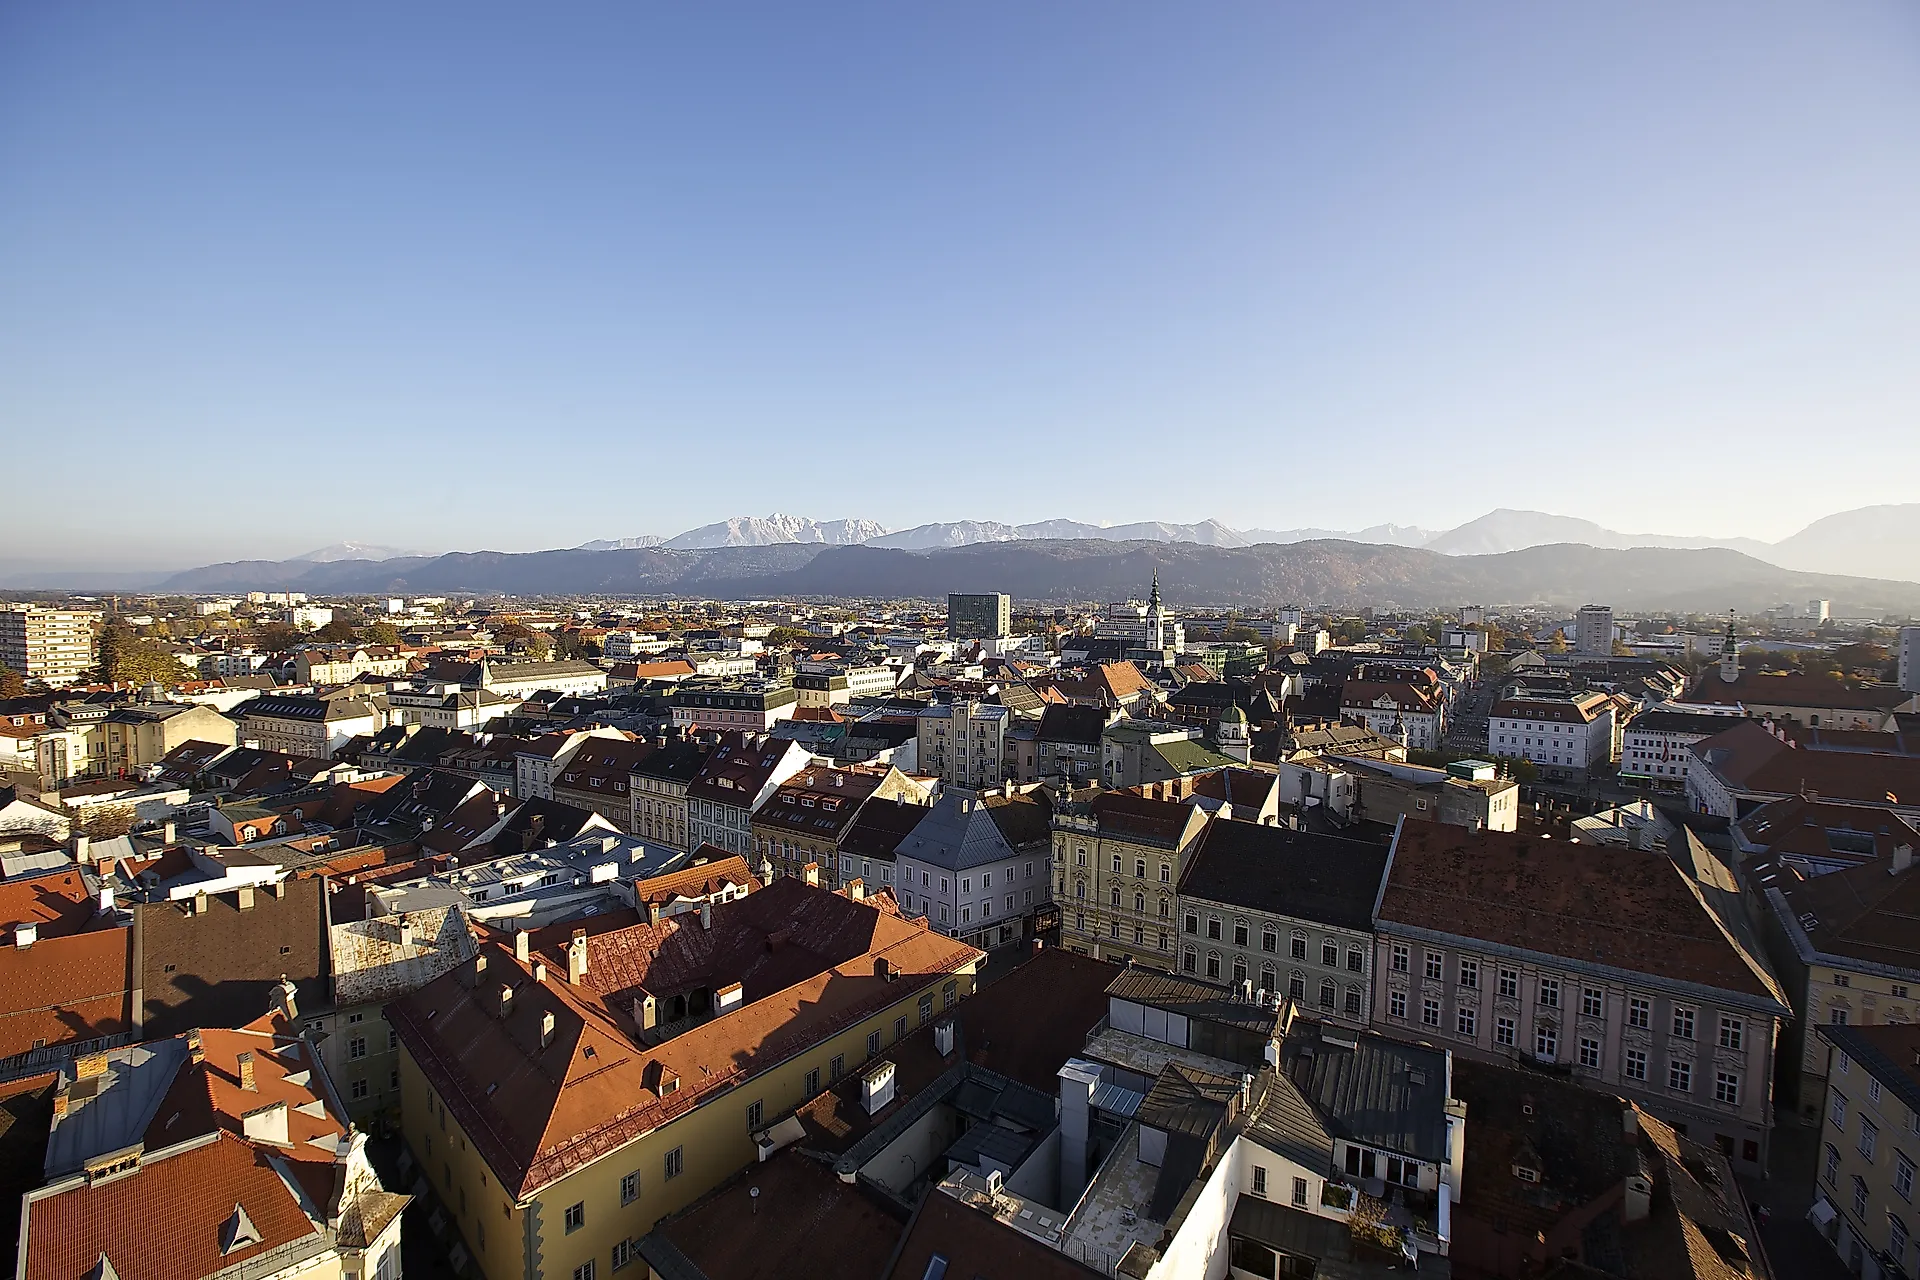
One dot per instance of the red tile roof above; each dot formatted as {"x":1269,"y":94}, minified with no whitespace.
{"x":64,"y":989}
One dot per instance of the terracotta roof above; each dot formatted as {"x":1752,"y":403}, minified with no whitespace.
{"x":538,"y":1110}
{"x":1792,"y":689}
{"x":1624,"y":908}
{"x":1751,"y":759}
{"x":165,"y":1222}
{"x":65,"y":988}
{"x":1860,"y":912}
{"x":206,"y":1095}
{"x":696,"y":881}
{"x":738,"y":768}
{"x":56,"y":904}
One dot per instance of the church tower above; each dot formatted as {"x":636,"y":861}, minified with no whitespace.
{"x":1156,"y":637}
{"x":1730,"y":654}
{"x":1232,"y":736}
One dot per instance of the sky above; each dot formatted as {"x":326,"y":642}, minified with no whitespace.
{"x":509,"y":276}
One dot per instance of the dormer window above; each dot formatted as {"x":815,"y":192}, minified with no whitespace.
{"x":1526,"y":1174}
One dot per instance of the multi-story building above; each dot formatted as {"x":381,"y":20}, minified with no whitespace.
{"x":658,"y":791}
{"x":1653,"y":745}
{"x":303,"y":726}
{"x":976,"y":865}
{"x":1844,"y":943}
{"x":524,"y":679}
{"x":372,"y":962}
{"x":1118,"y":857}
{"x":733,"y":781}
{"x":599,"y":776}
{"x":979,"y":617}
{"x":563,"y":1094}
{"x":807,"y":817}
{"x":1614,"y":965}
{"x":139,"y":734}
{"x":964,"y":743}
{"x":1593,"y":631}
{"x":1411,"y":714}
{"x":742,"y":705}
{"x":1288,"y":911}
{"x":52,"y":645}
{"x":536,"y":763}
{"x":346,"y":664}
{"x":870,"y":847}
{"x":1559,"y":734}
{"x":1908,"y":653}
{"x":1869,"y":1149}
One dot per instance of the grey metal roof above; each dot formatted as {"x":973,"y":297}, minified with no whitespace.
{"x":117,"y":1113}
{"x":1286,"y":1124}
{"x":1192,"y":998}
{"x":1301,"y":875}
{"x":958,"y":833}
{"x":1372,"y":1090}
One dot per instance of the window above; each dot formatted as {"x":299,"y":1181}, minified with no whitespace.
{"x":1327,"y":992}
{"x":1503,"y":1031}
{"x":357,"y":1047}
{"x":1397,"y":1004}
{"x":949,"y":994}
{"x":630,"y":1188}
{"x":1510,"y":984}
{"x":1546,"y":1043}
{"x":1550,"y":992}
{"x":1239,"y":971}
{"x":1329,"y":953}
{"x":1838,"y":1017}
{"x":1260,"y":1180}
{"x":837,"y":1067}
{"x":1466,"y":1020}
{"x":1732,"y":1032}
{"x":1213,"y":964}
{"x":576,"y":1216}
{"x":1635,"y":1066}
{"x":926,"y":1014}
{"x":1166,"y":873}
{"x":1726,"y":1087}
{"x":1402,"y":956}
{"x":1430,"y":1013}
{"x":1842,"y":980}
{"x":1213,"y":928}
{"x":1837,"y":1112}
{"x":1189,"y":960}
{"x":1680,"y":1076}
{"x":676,"y":1162}
{"x":1356,"y":960}
{"x":1903,"y":1177}
{"x":1300,"y":1192}
{"x":1589,"y":1053}
{"x":1869,"y":1138}
{"x":359,"y":1089}
{"x":1353,"y":1002}
{"x":1896,"y":1238}
{"x":1116,"y":864}
{"x":1859,"y":1196}
{"x":584,"y":1271}
{"x":1269,"y":941}
{"x":1470,"y":974}
{"x":1240,"y":933}
{"x":1639,"y":1012}
{"x":1683,"y":1022}
{"x":1192,"y":923}
{"x":1831,"y":1168}
{"x":624,"y":1252}
{"x":1593,"y":1002}
{"x":755,"y":1113}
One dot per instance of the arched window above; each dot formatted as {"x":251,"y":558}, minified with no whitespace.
{"x":1187,"y":959}
{"x":1297,"y":945}
{"x":1213,"y":964}
{"x":1239,"y":971}
{"x":1269,"y":940}
{"x":1140,"y":903}
{"x":1166,"y":907}
{"x":1080,"y":857}
{"x":1296,"y":986}
{"x":1326,"y":993}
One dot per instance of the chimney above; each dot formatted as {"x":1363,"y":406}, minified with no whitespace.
{"x":87,"y":1066}
{"x":646,"y":1013}
{"x":546,"y":1028}
{"x":245,"y":1063}
{"x":243,"y":897}
{"x":812,"y":874}
{"x":106,"y":897}
{"x":25,"y":935}
{"x":196,"y":1052}
{"x":80,"y":844}
{"x":406,"y":932}
{"x":60,"y":1105}
{"x":506,"y":999}
{"x":857,"y":890}
{"x":199,"y":904}
{"x":520,"y":945}
{"x":653,"y":914}
{"x":577,"y":958}
{"x":706,"y":914}
{"x":168,"y":832}
{"x":285,"y":1000}
{"x":1902,"y":858}
{"x":539,"y":971}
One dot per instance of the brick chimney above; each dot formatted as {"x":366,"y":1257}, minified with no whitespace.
{"x":245,"y":1063}
{"x":577,"y":957}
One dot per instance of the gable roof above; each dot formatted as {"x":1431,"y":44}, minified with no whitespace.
{"x":1625,"y":909}
{"x":957,"y":833}
{"x":1862,"y":912}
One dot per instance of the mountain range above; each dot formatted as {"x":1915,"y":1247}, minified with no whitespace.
{"x":1318,"y":572}
{"x":1874,"y":541}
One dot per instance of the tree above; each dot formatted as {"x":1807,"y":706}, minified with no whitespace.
{"x":1418,"y":634}
{"x":573,"y":647}
{"x":512,"y":633}
{"x":338,"y":631}
{"x":275,"y":636}
{"x":538,"y":646}
{"x":12,"y":683}
{"x":379,"y":632}
{"x":785,"y":638}
{"x":1558,"y":643}
{"x":127,"y":659}
{"x":1351,"y":631}
{"x":1240,"y":635}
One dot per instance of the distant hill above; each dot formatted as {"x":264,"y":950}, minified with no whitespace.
{"x":1329,"y":573}
{"x":963,"y":533}
{"x":354,"y":551}
{"x":1880,"y":541}
{"x":1509,"y":530}
{"x":1389,"y":535}
{"x":766,"y":531}
{"x":622,"y":544}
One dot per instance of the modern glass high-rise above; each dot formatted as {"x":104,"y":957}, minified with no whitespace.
{"x":979,"y":617}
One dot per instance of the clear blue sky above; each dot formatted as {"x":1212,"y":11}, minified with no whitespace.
{"x":516,"y":276}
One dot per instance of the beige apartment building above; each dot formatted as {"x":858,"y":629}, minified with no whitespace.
{"x":1118,"y":857}
{"x":53,"y":645}
{"x":1869,"y":1149}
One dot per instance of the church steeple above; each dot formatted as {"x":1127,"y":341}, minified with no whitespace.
{"x":1730,"y":654}
{"x":1153,"y":597}
{"x":1156,"y":636}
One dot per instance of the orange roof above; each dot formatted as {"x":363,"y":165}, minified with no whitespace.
{"x":207,"y":1095}
{"x":165,"y":1221}
{"x":64,"y":988}
{"x":537,"y":1106}
{"x":57,"y":903}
